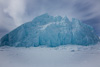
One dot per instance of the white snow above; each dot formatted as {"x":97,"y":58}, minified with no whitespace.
{"x":45,"y":26}
{"x":63,"y":56}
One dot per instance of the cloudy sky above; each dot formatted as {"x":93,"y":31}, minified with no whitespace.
{"x":16,"y":12}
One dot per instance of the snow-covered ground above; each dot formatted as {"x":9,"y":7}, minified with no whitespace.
{"x":63,"y":56}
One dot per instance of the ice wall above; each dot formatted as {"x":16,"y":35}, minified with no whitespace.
{"x":51,"y":31}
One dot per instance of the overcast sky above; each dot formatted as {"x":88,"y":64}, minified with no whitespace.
{"x":16,"y":12}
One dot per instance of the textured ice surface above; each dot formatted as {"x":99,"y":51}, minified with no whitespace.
{"x":51,"y":31}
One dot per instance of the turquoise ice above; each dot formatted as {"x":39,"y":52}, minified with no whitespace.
{"x":51,"y":31}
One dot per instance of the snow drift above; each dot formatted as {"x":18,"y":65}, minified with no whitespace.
{"x":50,"y":31}
{"x":62,"y":56}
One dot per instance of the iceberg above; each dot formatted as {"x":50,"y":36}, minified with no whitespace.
{"x":46,"y":30}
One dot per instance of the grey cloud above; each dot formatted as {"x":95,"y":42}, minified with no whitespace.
{"x":16,"y":12}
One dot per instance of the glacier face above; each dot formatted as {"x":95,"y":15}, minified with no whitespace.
{"x":50,"y":31}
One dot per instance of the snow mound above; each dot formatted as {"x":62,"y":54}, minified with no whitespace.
{"x":50,"y":31}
